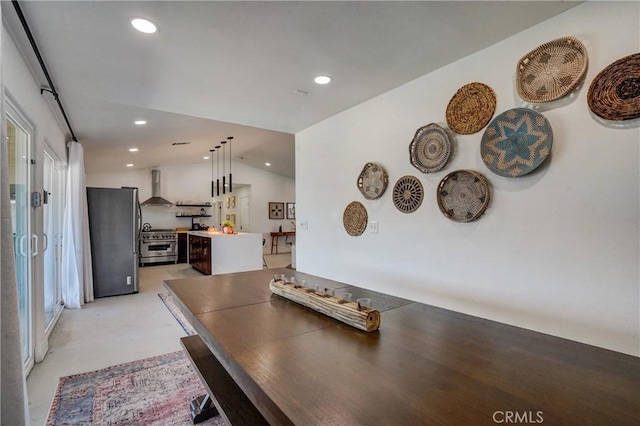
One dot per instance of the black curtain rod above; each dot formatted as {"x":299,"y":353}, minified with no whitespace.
{"x":51,"y":89}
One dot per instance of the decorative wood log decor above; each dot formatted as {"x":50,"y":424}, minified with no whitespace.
{"x":348,"y":312}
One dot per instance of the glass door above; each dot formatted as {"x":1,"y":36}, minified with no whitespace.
{"x":53,"y":205}
{"x":19,"y":172}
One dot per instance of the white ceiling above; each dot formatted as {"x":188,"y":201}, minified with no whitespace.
{"x":218,"y":69}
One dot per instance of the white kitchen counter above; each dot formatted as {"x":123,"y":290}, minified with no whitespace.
{"x":233,"y":252}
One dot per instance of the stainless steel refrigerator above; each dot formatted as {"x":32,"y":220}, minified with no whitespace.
{"x":114,"y":229}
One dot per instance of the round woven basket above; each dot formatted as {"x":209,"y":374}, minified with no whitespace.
{"x":463,"y":195}
{"x":355,"y":218}
{"x":408,"y":194}
{"x":614,"y":93}
{"x":471,"y":108}
{"x":551,"y":70}
{"x":516,"y":142}
{"x":430,"y":148}
{"x":373,"y":181}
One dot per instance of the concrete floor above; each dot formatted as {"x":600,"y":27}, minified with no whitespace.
{"x":112,"y":330}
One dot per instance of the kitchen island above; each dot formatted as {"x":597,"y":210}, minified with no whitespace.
{"x":215,"y":253}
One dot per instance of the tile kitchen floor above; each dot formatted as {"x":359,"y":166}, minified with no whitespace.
{"x":112,"y":330}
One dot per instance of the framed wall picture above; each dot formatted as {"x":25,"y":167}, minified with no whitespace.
{"x":291,"y":210}
{"x":233,"y":202}
{"x":276,"y":210}
{"x":228,"y":202}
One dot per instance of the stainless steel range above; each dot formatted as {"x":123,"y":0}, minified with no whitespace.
{"x":158,"y":245}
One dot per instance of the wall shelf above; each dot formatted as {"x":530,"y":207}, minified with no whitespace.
{"x":191,"y":209}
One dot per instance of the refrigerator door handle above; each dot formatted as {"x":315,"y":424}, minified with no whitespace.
{"x":46,"y":241}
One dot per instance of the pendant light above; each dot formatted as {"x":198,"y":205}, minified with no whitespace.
{"x":213,"y":194}
{"x":224,"y":167}
{"x":230,"y":138}
{"x":218,"y":172}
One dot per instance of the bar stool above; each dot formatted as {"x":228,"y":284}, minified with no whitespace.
{"x":264,"y":261}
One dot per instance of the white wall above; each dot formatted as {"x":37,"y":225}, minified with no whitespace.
{"x":557,"y":251}
{"x":24,"y":91}
{"x":193,"y":182}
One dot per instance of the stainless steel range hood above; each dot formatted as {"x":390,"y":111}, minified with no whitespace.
{"x":156,"y":199}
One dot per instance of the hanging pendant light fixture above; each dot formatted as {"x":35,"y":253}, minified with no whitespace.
{"x":230,"y":138}
{"x":218,"y":172}
{"x":224,"y":167}
{"x":213,"y":194}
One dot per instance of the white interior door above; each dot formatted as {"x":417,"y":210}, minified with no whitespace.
{"x":244,"y":218}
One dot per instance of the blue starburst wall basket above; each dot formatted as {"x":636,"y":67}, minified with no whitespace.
{"x":516,"y":142}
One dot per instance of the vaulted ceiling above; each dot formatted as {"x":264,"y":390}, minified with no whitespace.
{"x":242,"y":69}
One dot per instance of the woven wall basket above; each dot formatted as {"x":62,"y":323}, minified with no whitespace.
{"x":516,"y":142}
{"x":408,"y":194}
{"x":471,"y":108}
{"x":430,"y":148}
{"x":463,"y":195}
{"x":614,"y":93}
{"x":551,"y":70}
{"x":372,"y":181}
{"x":355,"y":218}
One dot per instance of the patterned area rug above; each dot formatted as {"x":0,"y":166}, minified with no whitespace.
{"x":177,"y":314}
{"x":151,"y":391}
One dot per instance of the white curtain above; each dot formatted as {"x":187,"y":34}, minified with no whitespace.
{"x":77,"y":274}
{"x":14,"y":409}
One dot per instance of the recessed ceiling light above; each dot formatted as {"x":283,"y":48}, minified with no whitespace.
{"x":133,"y":149}
{"x":322,"y":79}
{"x":267,"y":164}
{"x":143,"y":25}
{"x":130,"y":165}
{"x":140,"y":122}
{"x":205,"y":158}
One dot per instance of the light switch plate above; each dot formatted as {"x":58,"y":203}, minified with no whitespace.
{"x":304,"y":224}
{"x":373,"y":227}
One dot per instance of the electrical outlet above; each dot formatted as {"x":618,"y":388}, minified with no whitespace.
{"x":304,"y":224}
{"x":129,"y":280}
{"x":373,"y":227}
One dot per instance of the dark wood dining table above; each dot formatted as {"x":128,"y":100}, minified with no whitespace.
{"x":424,"y":366}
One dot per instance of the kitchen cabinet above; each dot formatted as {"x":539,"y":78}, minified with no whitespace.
{"x":200,"y":253}
{"x":182,"y":247}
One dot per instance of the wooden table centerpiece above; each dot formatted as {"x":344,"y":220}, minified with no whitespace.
{"x":348,"y":312}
